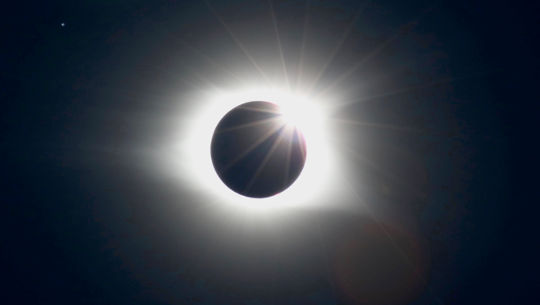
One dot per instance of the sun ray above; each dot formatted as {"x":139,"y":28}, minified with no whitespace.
{"x":406,"y":129}
{"x":395,"y":92}
{"x":288,"y":160}
{"x":384,"y":126}
{"x":299,"y":69}
{"x":280,"y":47}
{"x":360,"y":63}
{"x":403,"y":30}
{"x":199,"y":52}
{"x":334,"y":52}
{"x":256,"y":109}
{"x":253,"y":146}
{"x":302,"y":147}
{"x":411,"y":88}
{"x":207,"y":81}
{"x":265,"y":160}
{"x":247,"y":125}
{"x":194,"y":75}
{"x":197,"y":82}
{"x":238,"y":43}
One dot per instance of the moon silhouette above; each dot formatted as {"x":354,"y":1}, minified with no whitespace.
{"x":256,"y":152}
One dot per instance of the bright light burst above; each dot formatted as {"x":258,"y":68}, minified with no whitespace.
{"x":316,"y":180}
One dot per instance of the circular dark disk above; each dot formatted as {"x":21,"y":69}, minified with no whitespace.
{"x":255,"y":152}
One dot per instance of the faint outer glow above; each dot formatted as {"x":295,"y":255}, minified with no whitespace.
{"x":316,"y":179}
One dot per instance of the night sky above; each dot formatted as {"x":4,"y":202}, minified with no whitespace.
{"x":432,"y":120}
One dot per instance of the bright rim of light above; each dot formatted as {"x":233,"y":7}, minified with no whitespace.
{"x":303,"y":112}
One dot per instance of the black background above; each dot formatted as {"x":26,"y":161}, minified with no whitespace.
{"x":87,"y":221}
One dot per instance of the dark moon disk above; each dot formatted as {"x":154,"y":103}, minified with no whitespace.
{"x":255,"y":152}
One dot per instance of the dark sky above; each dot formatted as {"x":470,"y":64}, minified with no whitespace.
{"x":443,"y":96}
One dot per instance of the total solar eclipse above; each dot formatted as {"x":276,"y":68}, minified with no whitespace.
{"x":257,"y":151}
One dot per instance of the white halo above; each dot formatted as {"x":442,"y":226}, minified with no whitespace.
{"x":195,"y":164}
